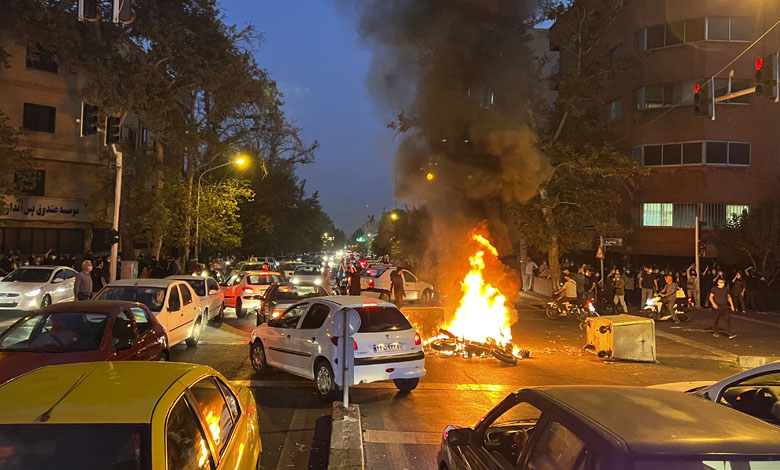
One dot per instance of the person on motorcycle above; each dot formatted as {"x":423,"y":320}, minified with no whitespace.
{"x":568,"y":289}
{"x":669,"y":297}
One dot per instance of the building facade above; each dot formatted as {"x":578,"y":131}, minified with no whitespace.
{"x":712,"y":169}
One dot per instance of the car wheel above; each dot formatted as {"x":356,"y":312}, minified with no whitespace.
{"x":221,"y":314}
{"x":427,"y":297}
{"x":406,"y":385}
{"x":384,"y":296}
{"x":193,"y":340}
{"x":240,"y":311}
{"x":206,"y":314}
{"x":325,"y":380}
{"x":46,"y":301}
{"x":257,"y":356}
{"x":164,"y":357}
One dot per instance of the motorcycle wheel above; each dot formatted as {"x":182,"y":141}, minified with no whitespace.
{"x":583,"y":325}
{"x":444,"y":345}
{"x":579,"y":313}
{"x":504,"y":356}
{"x":649,"y":313}
{"x":552,"y":313}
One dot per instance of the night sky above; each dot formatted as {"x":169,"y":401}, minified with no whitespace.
{"x":318,"y":62}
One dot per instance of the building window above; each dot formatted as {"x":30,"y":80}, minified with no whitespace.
{"x":664,"y":95}
{"x":615,"y":53}
{"x":144,"y":137}
{"x":717,"y":153}
{"x":739,"y":153}
{"x":615,"y":110}
{"x":717,"y":29}
{"x":39,"y":118}
{"x":39,"y":58}
{"x":735,"y":210}
{"x":656,"y":36}
{"x":691,"y":153}
{"x":31,"y":182}
{"x":712,"y":215}
{"x":636,"y":154}
{"x":695,"y":30}
{"x":652,"y":155}
{"x":729,"y":29}
{"x":672,"y":154}
{"x":657,"y":214}
{"x":741,"y":29}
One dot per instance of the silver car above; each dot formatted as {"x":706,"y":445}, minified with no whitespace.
{"x":34,"y":287}
{"x":306,"y":273}
{"x":212,"y":299}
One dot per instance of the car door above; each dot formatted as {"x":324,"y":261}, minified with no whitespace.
{"x":186,"y":443}
{"x":411,"y":289}
{"x":149,"y":346}
{"x":124,"y":341}
{"x":305,"y":341}
{"x":277,"y":344}
{"x":174,"y":318}
{"x":190,"y":307}
{"x":556,"y":445}
{"x":58,"y":288}
{"x":213,"y":294}
{"x":70,"y":283}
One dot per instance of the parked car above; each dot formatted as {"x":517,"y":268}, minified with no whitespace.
{"x":128,"y":415}
{"x":173,"y":302}
{"x":212,"y":299}
{"x":244,"y":290}
{"x":308,"y":273}
{"x":281,"y":295}
{"x":375,"y":281}
{"x":579,"y":427}
{"x":303,"y":342}
{"x":755,"y":392}
{"x":81,"y":332}
{"x":34,"y":287}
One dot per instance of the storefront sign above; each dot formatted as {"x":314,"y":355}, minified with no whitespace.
{"x":45,"y":209}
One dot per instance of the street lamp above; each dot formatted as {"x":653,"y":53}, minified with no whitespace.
{"x":393,"y":216}
{"x":430,"y":176}
{"x":238,"y":161}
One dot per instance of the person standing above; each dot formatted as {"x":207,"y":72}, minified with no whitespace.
{"x":647,"y":284}
{"x":82,"y":288}
{"x":669,"y":297}
{"x":397,"y":287}
{"x":630,"y":287}
{"x":620,"y":292}
{"x":738,"y":292}
{"x":528,"y":274}
{"x":721,"y":301}
{"x":97,"y":276}
{"x":579,"y":278}
{"x":354,"y":280}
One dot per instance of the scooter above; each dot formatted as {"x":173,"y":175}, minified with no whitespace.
{"x":654,"y":308}
{"x":581,"y":309}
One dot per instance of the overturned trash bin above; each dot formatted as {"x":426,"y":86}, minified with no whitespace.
{"x":622,"y":337}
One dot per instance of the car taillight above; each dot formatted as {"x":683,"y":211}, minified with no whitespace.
{"x":248,"y":290}
{"x":417,"y":339}
{"x":354,"y":345}
{"x":370,"y":283}
{"x":370,"y":305}
{"x":335,"y":341}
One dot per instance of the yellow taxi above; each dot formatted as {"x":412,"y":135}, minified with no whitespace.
{"x":127,"y":415}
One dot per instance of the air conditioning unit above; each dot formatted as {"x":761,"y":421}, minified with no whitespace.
{"x":622,"y":337}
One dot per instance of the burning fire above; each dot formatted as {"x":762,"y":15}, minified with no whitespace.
{"x":482,"y":312}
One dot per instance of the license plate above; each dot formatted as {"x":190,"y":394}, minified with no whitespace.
{"x":388,"y":347}
{"x":7,"y":304}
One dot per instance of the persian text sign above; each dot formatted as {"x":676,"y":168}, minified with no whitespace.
{"x":44,"y":208}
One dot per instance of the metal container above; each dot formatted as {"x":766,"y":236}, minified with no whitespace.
{"x":623,"y":337}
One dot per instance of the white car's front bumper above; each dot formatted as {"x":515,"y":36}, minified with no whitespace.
{"x":22,"y":302}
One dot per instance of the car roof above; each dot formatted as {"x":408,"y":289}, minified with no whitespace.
{"x":186,"y":277}
{"x":93,"y":392}
{"x":655,"y":422}
{"x":44,"y":267}
{"x":354,"y":301}
{"x":143,"y":282}
{"x":93,"y":306}
{"x":256,"y":271}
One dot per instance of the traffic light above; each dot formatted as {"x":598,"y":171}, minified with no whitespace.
{"x":89,"y":10}
{"x":113,"y":131}
{"x":767,"y":76}
{"x":113,"y":237}
{"x":89,"y":119}
{"x":702,"y":105}
{"x":123,"y":11}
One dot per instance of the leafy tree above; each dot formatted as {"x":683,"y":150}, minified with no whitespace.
{"x":752,"y":237}
{"x":403,"y":238}
{"x":14,"y":160}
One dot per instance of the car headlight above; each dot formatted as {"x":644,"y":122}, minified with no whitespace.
{"x":318,"y":282}
{"x":295,"y":281}
{"x":33,"y":292}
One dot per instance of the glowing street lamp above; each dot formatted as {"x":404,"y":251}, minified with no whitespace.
{"x":393,"y":216}
{"x":430,"y":176}
{"x":239,"y":161}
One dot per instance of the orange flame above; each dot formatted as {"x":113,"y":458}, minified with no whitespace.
{"x":482,"y":312}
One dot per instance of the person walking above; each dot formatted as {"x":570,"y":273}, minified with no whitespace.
{"x":690,"y":285}
{"x":721,"y":301}
{"x":397,"y":287}
{"x":620,"y":292}
{"x":528,"y":274}
{"x":82,"y":288}
{"x":354,"y":280}
{"x":630,"y":287}
{"x":647,"y":284}
{"x":738,"y":292}
{"x":669,"y":297}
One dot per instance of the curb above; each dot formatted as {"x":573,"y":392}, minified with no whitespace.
{"x":346,"y":438}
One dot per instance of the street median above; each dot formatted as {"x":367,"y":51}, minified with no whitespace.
{"x":346,"y":439}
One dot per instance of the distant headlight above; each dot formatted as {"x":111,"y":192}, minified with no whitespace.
{"x":33,"y":293}
{"x":318,"y":282}
{"x":295,"y":281}
{"x":204,"y":274}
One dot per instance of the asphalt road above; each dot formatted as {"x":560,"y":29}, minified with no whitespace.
{"x":401,"y":431}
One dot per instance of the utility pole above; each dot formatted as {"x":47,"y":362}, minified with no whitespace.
{"x":117,"y":201}
{"x":696,"y":291}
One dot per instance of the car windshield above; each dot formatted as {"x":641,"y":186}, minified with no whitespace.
{"x":198,"y":285}
{"x":262,"y":279}
{"x":75,"y":446}
{"x":58,"y":332}
{"x":295,"y":293}
{"x":252,"y":267}
{"x":152,"y":297}
{"x":29,"y":275}
{"x":377,"y":319}
{"x":308,"y":270}
{"x":771,"y":379}
{"x":290,"y":266}
{"x":710,"y":463}
{"x":374,"y":272}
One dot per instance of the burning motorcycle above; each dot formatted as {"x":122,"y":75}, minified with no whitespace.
{"x":654,"y":307}
{"x":450,"y":344}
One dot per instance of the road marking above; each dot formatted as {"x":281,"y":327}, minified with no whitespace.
{"x":381,"y":385}
{"x":297,"y":445}
{"x":753,"y":320}
{"x":375,"y":436}
{"x":223,"y":343}
{"x":697,"y":345}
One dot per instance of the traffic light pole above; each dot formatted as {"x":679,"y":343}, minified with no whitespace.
{"x":117,"y":200}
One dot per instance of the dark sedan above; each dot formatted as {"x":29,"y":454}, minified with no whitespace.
{"x":81,"y":332}
{"x":631,"y":428}
{"x":283,"y":294}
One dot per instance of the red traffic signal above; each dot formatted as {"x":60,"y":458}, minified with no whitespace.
{"x":759,"y":63}
{"x":696,"y":88}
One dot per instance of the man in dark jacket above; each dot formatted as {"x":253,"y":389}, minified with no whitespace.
{"x":354,"y":280}
{"x":397,"y":287}
{"x":82,"y":288}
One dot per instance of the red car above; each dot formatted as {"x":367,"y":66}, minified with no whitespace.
{"x":81,"y":332}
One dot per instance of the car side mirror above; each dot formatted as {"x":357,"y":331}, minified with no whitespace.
{"x":274,"y":323}
{"x":123,"y":344}
{"x":58,"y":280}
{"x":213,"y":291}
{"x":459,"y":437}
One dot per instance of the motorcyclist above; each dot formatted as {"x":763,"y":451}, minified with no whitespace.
{"x":568,"y":290}
{"x":669,"y":297}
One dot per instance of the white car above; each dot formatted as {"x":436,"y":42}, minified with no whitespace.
{"x":289,"y":268}
{"x":303,"y":342}
{"x":308,"y":273}
{"x":34,"y":287}
{"x":173,"y":302}
{"x":755,"y":392}
{"x":212,"y":299}
{"x":375,"y":281}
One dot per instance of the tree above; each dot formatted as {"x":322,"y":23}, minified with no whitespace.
{"x":14,"y":160}
{"x":752,"y":237}
{"x":589,"y":177}
{"x":404,"y":238}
